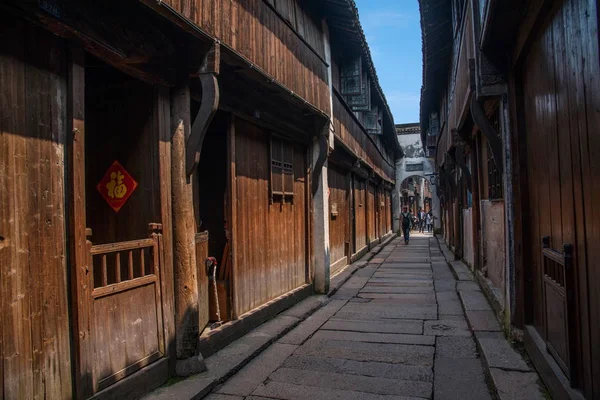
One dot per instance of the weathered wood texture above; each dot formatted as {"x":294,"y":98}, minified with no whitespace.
{"x":561,"y":118}
{"x":339,"y":218}
{"x":352,"y":135}
{"x":371,"y":214}
{"x":461,"y":82}
{"x":34,"y":332}
{"x":163,"y":113}
{"x":360,"y":215}
{"x":269,"y":239}
{"x":184,"y":224}
{"x":263,"y":36}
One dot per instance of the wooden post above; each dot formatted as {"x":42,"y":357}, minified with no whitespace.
{"x":184,"y":230}
{"x":81,"y":268}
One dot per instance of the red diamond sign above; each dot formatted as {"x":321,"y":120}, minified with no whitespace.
{"x":116,"y":186}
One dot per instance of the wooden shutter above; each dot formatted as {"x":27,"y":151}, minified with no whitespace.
{"x":352,"y":77}
{"x":372,"y":121}
{"x":276,"y":167}
{"x":282,"y":168}
{"x":361,"y":102}
{"x":288,"y":169}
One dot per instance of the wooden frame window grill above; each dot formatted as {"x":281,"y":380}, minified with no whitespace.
{"x":282,"y":170}
{"x":495,"y":186}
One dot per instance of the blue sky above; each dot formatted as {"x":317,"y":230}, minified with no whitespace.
{"x":393,"y":32}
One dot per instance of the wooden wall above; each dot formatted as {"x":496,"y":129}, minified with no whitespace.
{"x":371,"y":213}
{"x":349,"y":131}
{"x":560,"y":116}
{"x":269,"y":239}
{"x":263,"y":36}
{"x":34,"y":333}
{"x":461,"y":83}
{"x":339,"y":194}
{"x":360,"y":214}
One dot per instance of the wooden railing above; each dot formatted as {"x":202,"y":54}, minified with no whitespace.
{"x":124,"y":265}
{"x":353,"y":136}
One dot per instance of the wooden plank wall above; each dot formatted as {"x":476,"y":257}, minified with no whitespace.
{"x":371,"y":213}
{"x":360,"y":217}
{"x":462,"y":81}
{"x":270,"y":239}
{"x":34,"y":332}
{"x":561,"y":121}
{"x":253,"y":29}
{"x":353,"y":136}
{"x":339,"y":194}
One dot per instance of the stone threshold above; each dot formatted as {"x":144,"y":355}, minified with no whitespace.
{"x":225,"y":362}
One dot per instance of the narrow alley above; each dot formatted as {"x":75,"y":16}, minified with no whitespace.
{"x":396,"y":329}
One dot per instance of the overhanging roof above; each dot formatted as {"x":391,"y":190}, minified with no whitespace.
{"x":346,"y":32}
{"x":436,"y":36}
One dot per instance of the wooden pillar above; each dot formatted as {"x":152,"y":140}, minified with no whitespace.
{"x":81,"y":278}
{"x":184,"y":229}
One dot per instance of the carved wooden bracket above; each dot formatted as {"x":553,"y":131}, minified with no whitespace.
{"x":488,"y":130}
{"x":208,"y":72}
{"x":323,"y":153}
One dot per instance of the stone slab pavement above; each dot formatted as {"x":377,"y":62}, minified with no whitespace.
{"x":396,"y":331}
{"x":401,"y":327}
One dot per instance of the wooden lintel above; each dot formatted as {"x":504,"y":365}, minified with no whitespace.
{"x":208,"y":107}
{"x":488,"y":130}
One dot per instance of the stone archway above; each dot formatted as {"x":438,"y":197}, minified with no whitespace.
{"x":422,"y":167}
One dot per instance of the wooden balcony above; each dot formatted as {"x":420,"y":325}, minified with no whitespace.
{"x":287,"y":48}
{"x":357,"y":141}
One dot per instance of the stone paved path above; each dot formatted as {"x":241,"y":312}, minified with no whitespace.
{"x":395,"y":330}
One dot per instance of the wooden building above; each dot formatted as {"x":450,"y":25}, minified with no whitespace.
{"x":137,"y":139}
{"x":509,"y":96}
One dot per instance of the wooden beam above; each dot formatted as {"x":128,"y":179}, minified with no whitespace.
{"x":208,"y":72}
{"x":488,"y":130}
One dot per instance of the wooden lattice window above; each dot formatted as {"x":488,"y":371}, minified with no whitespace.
{"x":352,"y":77}
{"x":282,"y":169}
{"x":495,"y":186}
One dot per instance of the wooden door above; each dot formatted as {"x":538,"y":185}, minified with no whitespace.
{"x":360,"y":215}
{"x":118,"y":253}
{"x":559,"y":112}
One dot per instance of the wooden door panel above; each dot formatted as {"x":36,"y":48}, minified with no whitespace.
{"x":126,"y":308}
{"x":203,"y":300}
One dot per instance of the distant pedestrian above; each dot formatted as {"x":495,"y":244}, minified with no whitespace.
{"x":429,"y":221}
{"x":407,"y":222}
{"x":422,"y":217}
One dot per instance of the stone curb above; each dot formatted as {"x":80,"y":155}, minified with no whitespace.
{"x":226,"y":362}
{"x":507,"y":373}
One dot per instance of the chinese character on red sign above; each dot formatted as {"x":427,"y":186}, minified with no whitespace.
{"x":116,"y":186}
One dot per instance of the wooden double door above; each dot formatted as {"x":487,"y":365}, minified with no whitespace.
{"x":116,"y":238}
{"x":558,"y":77}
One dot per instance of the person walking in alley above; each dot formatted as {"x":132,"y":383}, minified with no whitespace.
{"x":407,"y":223}
{"x":429,"y":221}
{"x":422,"y":216}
